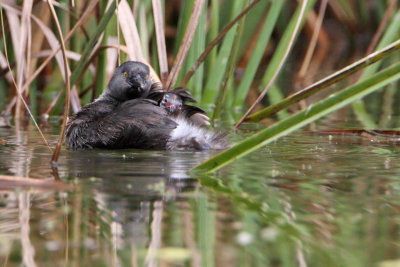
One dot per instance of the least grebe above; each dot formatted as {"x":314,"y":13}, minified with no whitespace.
{"x":126,"y":116}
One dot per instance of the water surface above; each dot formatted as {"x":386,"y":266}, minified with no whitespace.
{"x":305,"y":200}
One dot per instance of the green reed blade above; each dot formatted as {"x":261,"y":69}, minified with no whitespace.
{"x":101,"y":77}
{"x":325,"y":82}
{"x":214,"y":80}
{"x":302,"y":118}
{"x":258,"y":52}
{"x":223,"y":90}
{"x":285,"y":42}
{"x":391,"y":34}
{"x":211,"y":35}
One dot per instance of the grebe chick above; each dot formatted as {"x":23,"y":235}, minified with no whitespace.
{"x":125,"y":116}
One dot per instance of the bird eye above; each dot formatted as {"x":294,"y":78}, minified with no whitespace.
{"x":147,"y":76}
{"x":125,"y":74}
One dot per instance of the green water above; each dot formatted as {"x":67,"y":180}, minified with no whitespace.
{"x":306,"y":200}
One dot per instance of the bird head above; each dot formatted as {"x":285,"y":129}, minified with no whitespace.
{"x":130,"y":80}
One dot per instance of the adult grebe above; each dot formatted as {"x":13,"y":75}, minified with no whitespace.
{"x":126,"y":116}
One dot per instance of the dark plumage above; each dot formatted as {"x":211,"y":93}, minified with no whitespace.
{"x":126,"y":116}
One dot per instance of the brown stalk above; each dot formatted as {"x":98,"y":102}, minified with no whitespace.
{"x":56,"y":153}
{"x":131,"y":36}
{"x":160,"y":36}
{"x":15,"y":84}
{"x":129,"y":30}
{"x":15,"y":181}
{"x":45,"y":17}
{"x":323,"y":47}
{"x":49,"y":58}
{"x":311,"y":48}
{"x":186,"y":42}
{"x":214,"y":42}
{"x":73,"y":15}
{"x":21,"y":48}
{"x":29,"y":41}
{"x":382,"y":26}
{"x":272,"y":81}
{"x":313,"y":42}
{"x":379,"y":31}
{"x":118,"y":37}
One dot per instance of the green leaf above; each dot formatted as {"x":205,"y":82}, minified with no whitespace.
{"x":324,"y":83}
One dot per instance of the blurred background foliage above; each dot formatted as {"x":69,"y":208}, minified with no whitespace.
{"x":245,"y":59}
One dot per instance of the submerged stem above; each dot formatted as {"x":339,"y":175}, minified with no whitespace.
{"x":56,"y":153}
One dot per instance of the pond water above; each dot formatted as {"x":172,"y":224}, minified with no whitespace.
{"x":305,"y":200}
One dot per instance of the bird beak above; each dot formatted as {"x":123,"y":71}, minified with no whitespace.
{"x":170,"y":107}
{"x":139,"y":82}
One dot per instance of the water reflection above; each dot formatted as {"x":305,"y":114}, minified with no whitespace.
{"x":302,"y":201}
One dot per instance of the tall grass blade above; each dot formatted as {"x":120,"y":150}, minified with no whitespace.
{"x":54,"y":44}
{"x":282,"y":60}
{"x":382,"y":26}
{"x":118,"y":31}
{"x":15,"y":32}
{"x":23,"y":45}
{"x":212,"y":33}
{"x":145,"y":24}
{"x":391,"y":34}
{"x":131,"y":35}
{"x":186,"y":42}
{"x":130,"y":32}
{"x":45,"y":16}
{"x":101,"y":73}
{"x":257,"y":54}
{"x":324,"y":83}
{"x":184,"y":19}
{"x":15,"y":83}
{"x":15,"y":29}
{"x":304,"y":117}
{"x":160,"y":36}
{"x":214,"y":81}
{"x":89,"y":9}
{"x":231,"y":67}
{"x":214,"y":42}
{"x":313,"y":42}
